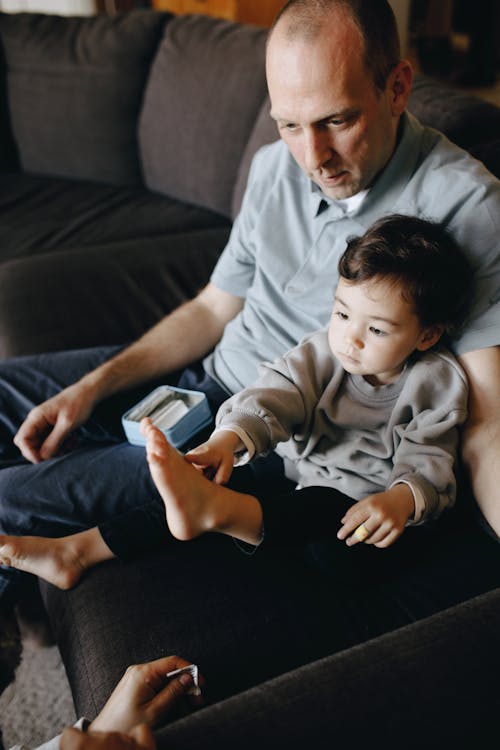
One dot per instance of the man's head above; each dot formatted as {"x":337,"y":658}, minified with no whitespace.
{"x":402,"y":284}
{"x":338,"y":89}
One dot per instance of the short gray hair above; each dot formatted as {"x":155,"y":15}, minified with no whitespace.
{"x":374,"y":19}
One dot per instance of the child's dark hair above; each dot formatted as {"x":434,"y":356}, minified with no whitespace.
{"x":422,"y":258}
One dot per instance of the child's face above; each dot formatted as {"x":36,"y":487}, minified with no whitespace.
{"x":373,"y":330}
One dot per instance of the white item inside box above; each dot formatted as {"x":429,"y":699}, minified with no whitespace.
{"x":164,"y":407}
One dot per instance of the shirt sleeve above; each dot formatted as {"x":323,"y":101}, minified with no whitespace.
{"x":427,"y":445}
{"x":476,"y":228}
{"x":53,"y":744}
{"x":234,"y":271}
{"x":246,"y":451}
{"x":281,"y":402}
{"x":418,"y":499}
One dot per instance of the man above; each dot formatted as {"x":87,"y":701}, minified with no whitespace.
{"x":349,"y":153}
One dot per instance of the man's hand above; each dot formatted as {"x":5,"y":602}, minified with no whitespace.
{"x":216,"y":457}
{"x":383,"y":515}
{"x":139,"y":738}
{"x":48,"y":425}
{"x":144,"y":696}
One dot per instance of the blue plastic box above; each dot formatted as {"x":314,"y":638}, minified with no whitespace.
{"x":194,"y":415}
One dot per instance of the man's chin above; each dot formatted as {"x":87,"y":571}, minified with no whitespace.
{"x":341,"y":191}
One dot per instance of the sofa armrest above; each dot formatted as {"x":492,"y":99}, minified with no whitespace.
{"x":431,"y":684}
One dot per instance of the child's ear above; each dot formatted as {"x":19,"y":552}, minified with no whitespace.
{"x":429,"y":337}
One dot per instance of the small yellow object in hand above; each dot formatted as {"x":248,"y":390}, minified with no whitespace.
{"x":361,"y":533}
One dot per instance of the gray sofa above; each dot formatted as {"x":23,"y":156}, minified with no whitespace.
{"x":125,"y":143}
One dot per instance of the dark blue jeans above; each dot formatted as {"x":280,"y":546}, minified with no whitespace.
{"x":100,"y":480}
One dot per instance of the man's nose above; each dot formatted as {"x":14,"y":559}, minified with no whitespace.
{"x":318,"y":149}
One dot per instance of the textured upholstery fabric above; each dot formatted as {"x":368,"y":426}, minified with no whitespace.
{"x":242,"y":619}
{"x":103,"y":294}
{"x":191,"y":139}
{"x":410,"y":689}
{"x":75,"y":88}
{"x":489,"y":154}
{"x":41,"y":215}
{"x":99,"y":275}
{"x":465,"y":119}
{"x":8,"y":153}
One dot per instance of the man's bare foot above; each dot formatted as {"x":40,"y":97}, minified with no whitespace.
{"x":61,"y":562}
{"x":193,"y":503}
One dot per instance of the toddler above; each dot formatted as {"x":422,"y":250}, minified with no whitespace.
{"x":364,"y":415}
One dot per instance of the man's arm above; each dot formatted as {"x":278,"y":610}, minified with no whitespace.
{"x":481,"y":434}
{"x":183,"y":337}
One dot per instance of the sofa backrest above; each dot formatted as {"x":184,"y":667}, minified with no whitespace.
{"x":465,"y":119}
{"x":179,"y":101}
{"x":203,"y":96}
{"x":74,"y":89}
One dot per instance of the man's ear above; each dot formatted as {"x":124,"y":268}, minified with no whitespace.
{"x":429,"y":337}
{"x":399,"y":85}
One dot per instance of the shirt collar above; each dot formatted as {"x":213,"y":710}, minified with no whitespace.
{"x":321,"y":202}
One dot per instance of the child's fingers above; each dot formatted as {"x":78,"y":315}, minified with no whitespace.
{"x":145,"y":425}
{"x":199,"y":455}
{"x":388,"y":539}
{"x":223,"y":473}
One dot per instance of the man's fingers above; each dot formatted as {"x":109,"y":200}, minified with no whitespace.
{"x":55,"y":438}
{"x":30,"y":437}
{"x":154,"y":672}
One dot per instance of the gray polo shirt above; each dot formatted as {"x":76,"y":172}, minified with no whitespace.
{"x":284,"y":248}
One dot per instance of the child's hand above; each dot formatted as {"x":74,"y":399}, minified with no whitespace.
{"x":382,"y":517}
{"x":215,"y":457}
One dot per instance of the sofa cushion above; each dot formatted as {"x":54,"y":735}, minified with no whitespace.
{"x":489,"y":154}
{"x":108,"y":294}
{"x":203,"y":96}
{"x":465,"y":119}
{"x":75,"y":88}
{"x":38,"y":216}
{"x":102,"y":275}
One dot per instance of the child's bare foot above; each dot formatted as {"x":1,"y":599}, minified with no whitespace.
{"x":190,"y":498}
{"x":61,"y":562}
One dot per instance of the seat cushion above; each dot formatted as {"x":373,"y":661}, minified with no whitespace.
{"x":242,"y":619}
{"x":50,"y":215}
{"x":74,"y":89}
{"x":101,"y":274}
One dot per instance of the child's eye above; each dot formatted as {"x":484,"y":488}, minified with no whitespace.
{"x":342,"y":315}
{"x":377,"y":331}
